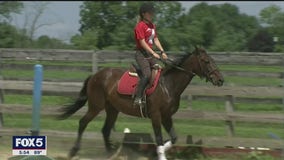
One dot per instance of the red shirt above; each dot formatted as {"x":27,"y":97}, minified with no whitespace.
{"x":145,"y":31}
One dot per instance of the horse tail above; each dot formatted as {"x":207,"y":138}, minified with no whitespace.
{"x":78,"y":104}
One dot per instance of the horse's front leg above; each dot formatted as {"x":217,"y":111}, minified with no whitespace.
{"x":156,"y":124}
{"x":168,"y":125}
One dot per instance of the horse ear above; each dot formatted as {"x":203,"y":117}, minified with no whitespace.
{"x":196,"y":49}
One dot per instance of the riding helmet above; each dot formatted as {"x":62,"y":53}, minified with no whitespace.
{"x":147,"y":7}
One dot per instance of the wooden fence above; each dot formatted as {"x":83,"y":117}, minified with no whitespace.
{"x":95,"y":60}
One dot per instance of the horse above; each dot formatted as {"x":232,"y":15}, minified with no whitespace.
{"x":100,"y":90}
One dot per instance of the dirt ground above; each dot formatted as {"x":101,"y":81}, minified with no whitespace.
{"x":91,"y":149}
{"x":58,"y":148}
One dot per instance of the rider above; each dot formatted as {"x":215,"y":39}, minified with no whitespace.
{"x":145,"y":36}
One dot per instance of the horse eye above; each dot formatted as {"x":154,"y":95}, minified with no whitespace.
{"x":206,"y":61}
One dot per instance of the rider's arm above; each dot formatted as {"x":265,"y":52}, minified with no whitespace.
{"x":147,"y":48}
{"x":158,"y":44}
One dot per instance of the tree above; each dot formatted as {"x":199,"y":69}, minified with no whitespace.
{"x":273,"y":18}
{"x":215,"y":27}
{"x":33,"y":12}
{"x":46,"y":42}
{"x":87,"y":40}
{"x":270,"y":15}
{"x":102,"y":17}
{"x":10,"y":37}
{"x":114,"y":22}
{"x":261,"y":42}
{"x":7,"y":8}
{"x":219,"y":27}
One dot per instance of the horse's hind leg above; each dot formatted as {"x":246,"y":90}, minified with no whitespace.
{"x":111,"y":116}
{"x":82,"y":126}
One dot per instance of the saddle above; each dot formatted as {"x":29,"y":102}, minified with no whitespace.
{"x":129,"y":80}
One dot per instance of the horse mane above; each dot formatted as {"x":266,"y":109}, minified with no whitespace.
{"x":181,"y":58}
{"x":178,"y":61}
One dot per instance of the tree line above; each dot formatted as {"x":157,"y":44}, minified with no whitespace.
{"x":110,"y":25}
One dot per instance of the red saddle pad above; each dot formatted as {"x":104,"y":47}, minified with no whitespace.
{"x":127,"y":84}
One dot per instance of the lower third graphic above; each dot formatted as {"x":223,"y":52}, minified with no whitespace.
{"x":29,"y":145}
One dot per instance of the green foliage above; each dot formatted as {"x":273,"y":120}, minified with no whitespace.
{"x":8,"y":7}
{"x":270,"y":14}
{"x":46,"y":42}
{"x":258,"y":155}
{"x":273,"y":18}
{"x":113,"y":23}
{"x":106,"y":25}
{"x":10,"y":37}
{"x":110,"y":25}
{"x":106,"y":18}
{"x":220,"y":27}
{"x":262,"y":42}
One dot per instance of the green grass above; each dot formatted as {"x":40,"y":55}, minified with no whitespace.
{"x":183,"y":127}
{"x":229,"y":80}
{"x":63,"y":63}
{"x":45,"y":100}
{"x":248,"y":81}
{"x":195,"y":105}
{"x":243,"y":81}
{"x":46,"y":74}
{"x":220,"y":106}
{"x":252,"y":68}
{"x":251,"y":81}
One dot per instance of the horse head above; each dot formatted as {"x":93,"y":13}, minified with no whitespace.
{"x":204,"y":65}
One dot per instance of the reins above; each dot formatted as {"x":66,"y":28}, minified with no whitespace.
{"x":171,"y":63}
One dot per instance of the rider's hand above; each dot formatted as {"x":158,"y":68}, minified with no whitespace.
{"x":164,"y":55}
{"x":156,"y":56}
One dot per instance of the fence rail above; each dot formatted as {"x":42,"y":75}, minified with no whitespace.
{"x":181,"y":114}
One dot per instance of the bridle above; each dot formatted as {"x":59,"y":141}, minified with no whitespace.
{"x":207,"y":74}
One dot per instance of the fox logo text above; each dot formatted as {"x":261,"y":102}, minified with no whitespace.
{"x":29,"y":145}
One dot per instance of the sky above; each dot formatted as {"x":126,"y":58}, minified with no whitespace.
{"x":62,"y":17}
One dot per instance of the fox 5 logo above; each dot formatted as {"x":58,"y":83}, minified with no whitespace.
{"x":29,"y":142}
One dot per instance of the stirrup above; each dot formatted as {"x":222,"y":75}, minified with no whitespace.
{"x":137,"y":101}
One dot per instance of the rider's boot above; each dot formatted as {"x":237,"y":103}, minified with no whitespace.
{"x":140,"y":90}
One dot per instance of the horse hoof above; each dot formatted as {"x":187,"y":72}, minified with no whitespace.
{"x":73,"y":152}
{"x":111,"y":147}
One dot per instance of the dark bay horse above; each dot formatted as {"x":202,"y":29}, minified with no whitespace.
{"x":100,"y":90}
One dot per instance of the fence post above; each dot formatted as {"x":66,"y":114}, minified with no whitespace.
{"x":1,"y":95}
{"x":36,"y":100}
{"x":229,"y":106}
{"x":94,"y":62}
{"x":189,"y":100}
{"x":1,"y":102}
{"x":282,"y":104}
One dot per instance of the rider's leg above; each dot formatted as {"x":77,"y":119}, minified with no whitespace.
{"x":146,"y":74}
{"x":140,"y":90}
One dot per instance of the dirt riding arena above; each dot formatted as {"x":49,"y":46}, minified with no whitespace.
{"x":59,"y":143}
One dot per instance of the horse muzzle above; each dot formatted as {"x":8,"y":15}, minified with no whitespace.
{"x":216,"y":81}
